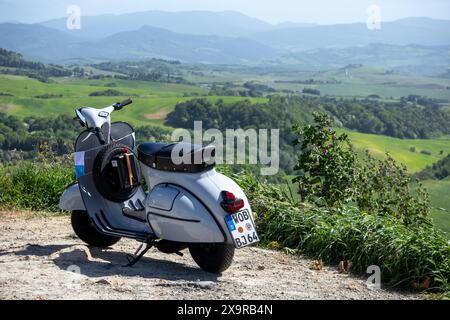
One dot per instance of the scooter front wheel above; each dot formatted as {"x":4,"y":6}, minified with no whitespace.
{"x":86,"y":231}
{"x":212,"y":257}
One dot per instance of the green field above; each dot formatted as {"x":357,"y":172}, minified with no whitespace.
{"x":440,"y":200}
{"x":152,"y":100}
{"x":399,"y":149}
{"x":359,"y":81}
{"x":352,"y":82}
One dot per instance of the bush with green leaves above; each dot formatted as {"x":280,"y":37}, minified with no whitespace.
{"x":384,"y":188}
{"x":330,"y":173}
{"x":36,"y":185}
{"x":326,"y":164}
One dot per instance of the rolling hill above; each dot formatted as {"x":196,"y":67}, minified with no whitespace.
{"x":400,"y":149}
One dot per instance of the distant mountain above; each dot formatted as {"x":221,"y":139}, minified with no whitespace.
{"x":226,"y":23}
{"x":149,"y":42}
{"x":409,"y":59}
{"x":413,"y":44}
{"x":34,"y":40}
{"x":290,"y":25}
{"x":423,"y":31}
{"x":49,"y":45}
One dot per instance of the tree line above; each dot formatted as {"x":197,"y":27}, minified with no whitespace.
{"x":24,"y":138}
{"x":403,"y":119}
{"x":156,"y":70}
{"x":437,"y":171}
{"x":409,"y":118}
{"x":412,"y":117}
{"x":16,"y":65}
{"x":244,"y":114}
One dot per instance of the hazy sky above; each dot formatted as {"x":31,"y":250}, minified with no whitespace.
{"x":274,"y":11}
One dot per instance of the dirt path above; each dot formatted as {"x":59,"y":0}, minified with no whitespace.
{"x":37,"y":255}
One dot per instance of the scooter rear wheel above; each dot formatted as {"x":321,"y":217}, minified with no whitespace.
{"x":212,"y":257}
{"x":86,"y":231}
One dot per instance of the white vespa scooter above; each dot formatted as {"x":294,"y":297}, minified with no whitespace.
{"x":188,"y":204}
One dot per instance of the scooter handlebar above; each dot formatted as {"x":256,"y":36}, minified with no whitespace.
{"x":120,"y":105}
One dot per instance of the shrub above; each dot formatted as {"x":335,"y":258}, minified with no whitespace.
{"x":331,"y":173}
{"x":315,"y":92}
{"x":34,"y":185}
{"x":48,"y":96}
{"x":383,"y":187}
{"x":108,"y":92}
{"x":326,"y":164}
{"x":439,"y":170}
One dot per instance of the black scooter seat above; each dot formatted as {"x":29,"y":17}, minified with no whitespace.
{"x":158,"y":155}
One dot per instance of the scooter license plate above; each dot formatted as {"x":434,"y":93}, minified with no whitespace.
{"x":242,"y":228}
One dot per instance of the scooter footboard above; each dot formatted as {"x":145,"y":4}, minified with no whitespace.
{"x":176,"y":214}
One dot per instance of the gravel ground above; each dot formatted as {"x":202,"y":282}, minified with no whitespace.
{"x":41,"y":258}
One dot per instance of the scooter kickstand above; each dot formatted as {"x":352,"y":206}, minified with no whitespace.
{"x":132,"y":259}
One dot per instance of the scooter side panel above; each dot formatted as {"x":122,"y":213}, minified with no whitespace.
{"x":206,"y":185}
{"x":186,"y":219}
{"x":162,"y":197}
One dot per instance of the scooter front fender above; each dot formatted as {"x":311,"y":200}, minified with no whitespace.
{"x":71,"y":199}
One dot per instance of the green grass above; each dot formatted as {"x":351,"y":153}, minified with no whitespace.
{"x":36,"y":185}
{"x":152,"y":100}
{"x":378,"y":145}
{"x":440,"y":201}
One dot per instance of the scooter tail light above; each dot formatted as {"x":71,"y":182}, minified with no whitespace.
{"x":230,"y":203}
